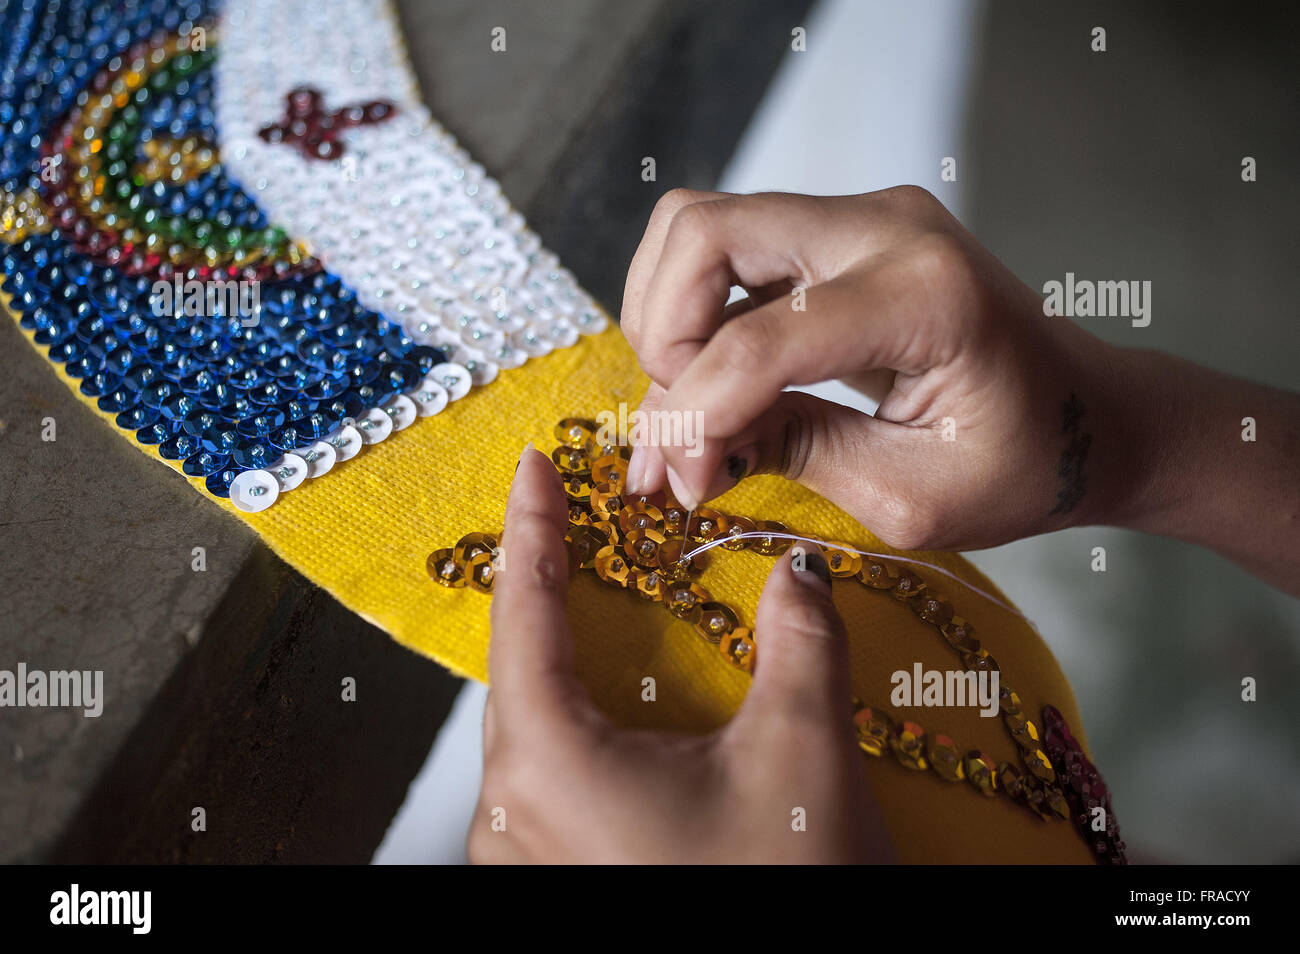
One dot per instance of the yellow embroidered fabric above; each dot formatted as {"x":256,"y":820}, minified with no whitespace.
{"x":363,"y":533}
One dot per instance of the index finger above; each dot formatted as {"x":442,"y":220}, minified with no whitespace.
{"x":646,"y":258}
{"x":530,"y":653}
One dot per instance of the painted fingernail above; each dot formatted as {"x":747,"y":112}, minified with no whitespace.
{"x":810,"y":567}
{"x":738,"y":464}
{"x":527,"y":448}
{"x":636,"y":469}
{"x":681,"y":492}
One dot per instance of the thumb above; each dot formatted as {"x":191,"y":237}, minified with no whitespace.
{"x":802,"y":671}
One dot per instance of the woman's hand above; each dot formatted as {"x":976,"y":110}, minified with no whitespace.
{"x":560,"y":783}
{"x":995,"y":422}
{"x":990,"y":415}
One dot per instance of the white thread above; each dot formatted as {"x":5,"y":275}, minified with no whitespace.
{"x":760,"y":535}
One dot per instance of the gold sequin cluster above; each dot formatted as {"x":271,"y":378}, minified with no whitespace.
{"x":22,"y":214}
{"x":177,"y":161}
{"x":640,"y":543}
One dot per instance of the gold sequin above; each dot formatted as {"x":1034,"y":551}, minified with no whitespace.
{"x":597,"y":449}
{"x":945,"y":759}
{"x":584,"y":543}
{"x":578,"y":514}
{"x":909,"y":746}
{"x":673,"y":564}
{"x":1008,"y":701}
{"x":979,"y":661}
{"x":642,"y":547}
{"x":770,"y":545}
{"x":575,"y":432}
{"x":675,"y":519}
{"x":649,"y":584}
{"x":442,"y":568}
{"x":571,"y":460}
{"x":875,"y":730}
{"x":842,"y":562}
{"x":178,"y":161}
{"x":22,"y":214}
{"x":577,"y":488}
{"x":683,"y":598}
{"x":612,"y":567}
{"x":641,"y":517}
{"x":1056,"y":802}
{"x":1018,"y":724}
{"x":656,"y":500}
{"x":1010,"y":780}
{"x":609,"y":530}
{"x":705,"y":525}
{"x":981,"y":772}
{"x":738,"y":648}
{"x":908,"y":586}
{"x":610,"y":470}
{"x":1040,"y":765}
{"x":736,"y":527}
{"x":714,"y":620}
{"x":480,"y":572}
{"x":471,"y":544}
{"x":1035,"y":798}
{"x":606,"y":500}
{"x":877,"y":575}
{"x":959,"y":634}
{"x":934,"y":609}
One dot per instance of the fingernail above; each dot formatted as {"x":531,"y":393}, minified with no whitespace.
{"x":636,"y":469}
{"x":680,"y":491}
{"x":738,"y":464}
{"x":527,"y":448}
{"x":810,"y":567}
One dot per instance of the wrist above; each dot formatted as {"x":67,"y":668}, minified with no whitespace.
{"x":1196,"y":455}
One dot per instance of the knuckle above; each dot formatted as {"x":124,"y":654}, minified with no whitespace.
{"x":695,"y":221}
{"x":654,"y":357}
{"x":673,"y":201}
{"x":696,"y":224}
{"x":912,"y":196}
{"x":512,"y":776}
{"x":908,"y":523}
{"x":745,"y":344}
{"x":938,"y":255}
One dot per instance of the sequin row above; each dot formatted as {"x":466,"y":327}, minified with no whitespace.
{"x":252,"y":410}
{"x":399,"y":211}
{"x":638,"y":543}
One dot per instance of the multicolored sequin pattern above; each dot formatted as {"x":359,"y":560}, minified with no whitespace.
{"x":115,"y":151}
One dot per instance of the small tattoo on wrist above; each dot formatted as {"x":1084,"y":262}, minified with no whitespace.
{"x":1070,"y":469}
{"x":737,"y":467}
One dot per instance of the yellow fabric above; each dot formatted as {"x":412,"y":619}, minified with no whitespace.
{"x":363,"y":532}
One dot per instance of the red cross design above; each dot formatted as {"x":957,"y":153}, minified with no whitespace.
{"x":313,"y":130}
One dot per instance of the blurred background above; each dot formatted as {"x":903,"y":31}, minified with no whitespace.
{"x":1123,"y":164}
